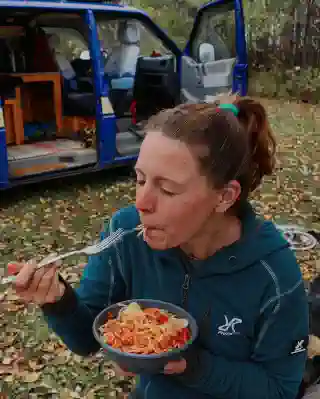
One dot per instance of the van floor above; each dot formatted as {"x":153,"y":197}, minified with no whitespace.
{"x":61,"y":153}
{"x":47,"y":156}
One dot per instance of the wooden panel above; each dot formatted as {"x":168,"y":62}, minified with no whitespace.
{"x":56,"y":86}
{"x":9,"y":123}
{"x":15,"y":121}
{"x":37,"y":103}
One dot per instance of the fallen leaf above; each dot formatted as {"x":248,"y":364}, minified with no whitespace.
{"x":35,"y":366}
{"x":31,"y":377}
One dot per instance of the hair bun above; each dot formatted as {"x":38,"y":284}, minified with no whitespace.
{"x":253,"y":118}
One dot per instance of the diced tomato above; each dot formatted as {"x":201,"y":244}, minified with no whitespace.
{"x":152,"y":311}
{"x":181,"y":338}
{"x":185,"y":334}
{"x":163,"y":318}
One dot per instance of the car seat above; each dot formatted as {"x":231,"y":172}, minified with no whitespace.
{"x":77,"y":100}
{"x":121,"y":63}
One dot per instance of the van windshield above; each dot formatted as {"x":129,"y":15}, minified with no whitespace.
{"x":113,"y":33}
{"x":69,"y":42}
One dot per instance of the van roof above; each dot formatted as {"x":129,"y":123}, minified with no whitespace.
{"x":65,"y":5}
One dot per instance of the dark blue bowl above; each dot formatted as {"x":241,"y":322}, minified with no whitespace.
{"x":140,"y":364}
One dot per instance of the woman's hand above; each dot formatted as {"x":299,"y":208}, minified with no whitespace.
{"x":37,"y":286}
{"x":122,"y":373}
{"x":175,"y":367}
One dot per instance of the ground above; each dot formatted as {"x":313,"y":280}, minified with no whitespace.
{"x":59,"y":216}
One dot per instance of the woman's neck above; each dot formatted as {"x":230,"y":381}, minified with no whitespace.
{"x":215,"y":235}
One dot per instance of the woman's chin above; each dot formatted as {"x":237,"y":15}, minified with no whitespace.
{"x":156,"y":239}
{"x":156,"y":245}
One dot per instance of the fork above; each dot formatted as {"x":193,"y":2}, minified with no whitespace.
{"x":94,"y":249}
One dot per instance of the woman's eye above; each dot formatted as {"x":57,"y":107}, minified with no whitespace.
{"x":168,"y":193}
{"x":140,"y":182}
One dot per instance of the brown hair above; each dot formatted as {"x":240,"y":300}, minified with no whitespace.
{"x":238,"y":147}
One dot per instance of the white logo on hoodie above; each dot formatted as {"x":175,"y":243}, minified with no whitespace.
{"x":229,"y":327}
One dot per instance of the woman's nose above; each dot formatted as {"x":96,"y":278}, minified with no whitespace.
{"x":145,"y":200}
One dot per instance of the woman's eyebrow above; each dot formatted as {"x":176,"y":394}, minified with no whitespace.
{"x":163,"y":179}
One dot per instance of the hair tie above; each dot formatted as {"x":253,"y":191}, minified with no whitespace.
{"x":230,"y":107}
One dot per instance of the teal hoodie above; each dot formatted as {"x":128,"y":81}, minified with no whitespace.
{"x":248,"y":299}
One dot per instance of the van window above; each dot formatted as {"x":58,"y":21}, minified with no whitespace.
{"x":113,"y":33}
{"x":66,"y":41}
{"x":123,"y":41}
{"x":217,"y":28}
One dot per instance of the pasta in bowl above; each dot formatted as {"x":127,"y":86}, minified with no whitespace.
{"x":143,"y":335}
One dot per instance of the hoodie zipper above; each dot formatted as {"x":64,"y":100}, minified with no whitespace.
{"x":187,"y":278}
{"x":185,"y":289}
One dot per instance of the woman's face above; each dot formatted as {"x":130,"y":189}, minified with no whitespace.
{"x":174,"y":200}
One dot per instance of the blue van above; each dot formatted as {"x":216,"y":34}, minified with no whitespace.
{"x":78,"y":80}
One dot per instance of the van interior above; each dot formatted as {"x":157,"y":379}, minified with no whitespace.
{"x":48,"y":90}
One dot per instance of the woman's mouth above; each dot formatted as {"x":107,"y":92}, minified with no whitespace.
{"x":151,"y":228}
{"x":153,"y":232}
{"x":155,"y":236}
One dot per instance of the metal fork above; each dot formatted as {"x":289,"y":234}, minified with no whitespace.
{"x":112,"y":239}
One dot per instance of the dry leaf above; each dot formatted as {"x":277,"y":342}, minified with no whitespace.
{"x":35,"y":366}
{"x":68,"y":394}
{"x":31,"y":377}
{"x":9,"y":378}
{"x":5,"y":369}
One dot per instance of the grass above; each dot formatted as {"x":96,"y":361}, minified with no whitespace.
{"x":58,"y":216}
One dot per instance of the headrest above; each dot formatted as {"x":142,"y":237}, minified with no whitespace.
{"x":54,"y":42}
{"x":129,"y":32}
{"x":206,"y":53}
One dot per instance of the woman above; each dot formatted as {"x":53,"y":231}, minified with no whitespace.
{"x":204,"y":249}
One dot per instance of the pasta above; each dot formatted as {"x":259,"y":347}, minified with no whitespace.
{"x":145,"y":331}
{"x":141,"y":230}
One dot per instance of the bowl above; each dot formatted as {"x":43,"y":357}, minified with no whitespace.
{"x":138,"y":363}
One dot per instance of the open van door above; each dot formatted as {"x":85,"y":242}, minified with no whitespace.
{"x":215,"y":58}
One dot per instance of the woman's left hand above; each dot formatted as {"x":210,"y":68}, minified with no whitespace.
{"x":122,"y":373}
{"x":175,"y":367}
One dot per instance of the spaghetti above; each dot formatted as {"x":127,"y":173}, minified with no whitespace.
{"x":141,"y":230}
{"x":145,"y":331}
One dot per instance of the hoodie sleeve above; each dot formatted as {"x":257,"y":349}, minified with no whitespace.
{"x":103,"y":283}
{"x":276,"y":367}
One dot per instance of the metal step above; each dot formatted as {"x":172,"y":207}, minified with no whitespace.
{"x":48,"y":156}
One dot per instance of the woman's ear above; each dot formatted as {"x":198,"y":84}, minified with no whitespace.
{"x":229,"y":195}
